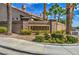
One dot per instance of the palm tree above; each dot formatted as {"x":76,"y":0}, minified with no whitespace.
{"x":61,"y":12}
{"x":9,"y":18}
{"x":69,"y":16}
{"x":44,"y":12}
{"x":50,"y":13}
{"x":54,"y":11}
{"x":47,"y":14}
{"x":72,"y":7}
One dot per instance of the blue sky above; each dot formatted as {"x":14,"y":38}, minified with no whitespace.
{"x":37,"y":8}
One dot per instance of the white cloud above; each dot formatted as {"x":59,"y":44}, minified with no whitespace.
{"x":64,"y":8}
{"x":76,"y":9}
{"x":48,"y":3}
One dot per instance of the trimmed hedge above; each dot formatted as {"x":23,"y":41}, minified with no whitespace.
{"x":3,"y":29}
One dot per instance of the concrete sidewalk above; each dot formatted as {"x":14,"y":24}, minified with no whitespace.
{"x":36,"y":48}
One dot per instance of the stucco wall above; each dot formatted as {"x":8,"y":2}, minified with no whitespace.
{"x":58,"y":26}
{"x":3,"y":12}
{"x":16,"y":27}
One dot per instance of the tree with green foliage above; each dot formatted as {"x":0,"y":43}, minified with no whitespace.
{"x":69,"y":16}
{"x":63,"y":21}
{"x":61,"y":12}
{"x":54,"y":10}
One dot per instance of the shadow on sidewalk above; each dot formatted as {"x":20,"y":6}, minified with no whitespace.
{"x":17,"y":50}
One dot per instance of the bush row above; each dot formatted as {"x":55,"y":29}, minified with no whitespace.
{"x":28,"y":32}
{"x":56,"y":38}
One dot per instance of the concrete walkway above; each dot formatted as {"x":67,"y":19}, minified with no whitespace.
{"x":14,"y":46}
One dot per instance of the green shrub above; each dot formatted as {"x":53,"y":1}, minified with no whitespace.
{"x":39,"y":39}
{"x":53,"y":40}
{"x":50,"y":40}
{"x":56,"y":38}
{"x":37,"y":33}
{"x":45,"y":33}
{"x":46,"y":36}
{"x":53,"y":35}
{"x":46,"y":41}
{"x":63,"y":31}
{"x":60,"y":32}
{"x":26,"y":32}
{"x":60,"y":36}
{"x":60,"y":40}
{"x":3,"y":29}
{"x":71,"y":39}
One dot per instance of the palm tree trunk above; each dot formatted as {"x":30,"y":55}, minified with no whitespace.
{"x":68,"y":18}
{"x":54,"y":17}
{"x":9,"y":18}
{"x":71,"y":13}
{"x":55,"y":23}
{"x":50,"y":26}
{"x":59,"y":18}
{"x":47,"y":17}
{"x":44,"y":12}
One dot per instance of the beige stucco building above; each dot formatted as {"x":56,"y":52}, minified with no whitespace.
{"x":23,"y":19}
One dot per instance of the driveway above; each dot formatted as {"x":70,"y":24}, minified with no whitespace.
{"x":13,"y":46}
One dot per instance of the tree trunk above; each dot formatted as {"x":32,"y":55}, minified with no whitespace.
{"x":71,"y":14}
{"x":59,"y":18}
{"x":55,"y":23}
{"x":47,"y":17}
{"x":68,"y":18}
{"x":50,"y":26}
{"x":44,"y":12}
{"x":54,"y":17}
{"x":9,"y":18}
